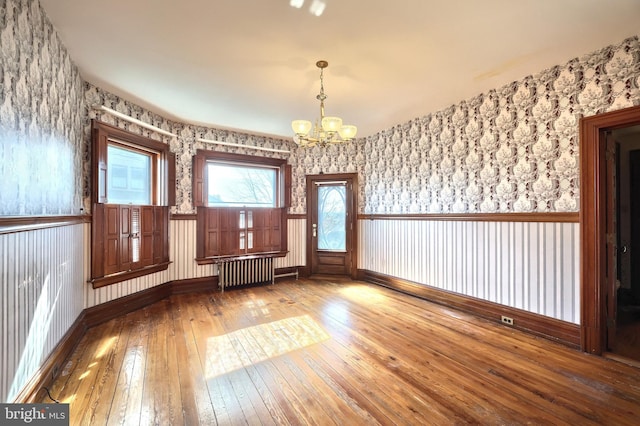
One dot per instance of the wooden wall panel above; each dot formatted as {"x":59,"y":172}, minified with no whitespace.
{"x":42,"y":273}
{"x":532,"y":266}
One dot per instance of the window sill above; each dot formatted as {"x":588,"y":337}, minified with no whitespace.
{"x":221,"y":259}
{"x":123,"y":276}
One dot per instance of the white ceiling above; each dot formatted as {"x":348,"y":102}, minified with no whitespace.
{"x":250,"y":64}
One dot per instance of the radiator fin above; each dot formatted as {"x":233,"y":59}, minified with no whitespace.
{"x":238,"y":272}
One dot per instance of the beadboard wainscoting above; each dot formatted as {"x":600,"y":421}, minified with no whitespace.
{"x":182,"y":246}
{"x":43,"y":273}
{"x":296,"y":244}
{"x":531,"y":266}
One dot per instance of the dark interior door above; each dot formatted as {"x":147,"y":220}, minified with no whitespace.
{"x":634,"y":211}
{"x":331,"y":224}
{"x":611,"y":262}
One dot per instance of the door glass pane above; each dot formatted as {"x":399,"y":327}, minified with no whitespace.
{"x":332,"y":212}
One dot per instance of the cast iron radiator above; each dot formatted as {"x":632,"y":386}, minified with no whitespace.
{"x":238,"y":271}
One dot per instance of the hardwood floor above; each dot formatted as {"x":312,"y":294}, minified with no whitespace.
{"x":332,"y":352}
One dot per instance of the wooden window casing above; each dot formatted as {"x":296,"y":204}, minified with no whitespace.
{"x":219,"y":230}
{"x":128,"y":240}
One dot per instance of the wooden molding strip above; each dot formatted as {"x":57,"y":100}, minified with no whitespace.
{"x":550,"y":328}
{"x":11,"y":224}
{"x":193,"y":216}
{"x":123,"y":305}
{"x":184,"y":216}
{"x":296,"y":216}
{"x":127,"y":275}
{"x":569,"y":217}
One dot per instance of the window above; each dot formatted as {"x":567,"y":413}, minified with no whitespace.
{"x":133,"y":186}
{"x":241,"y":203}
{"x":235,"y":185}
{"x":130,"y":174}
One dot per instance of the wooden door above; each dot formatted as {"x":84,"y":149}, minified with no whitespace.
{"x":332,"y":224}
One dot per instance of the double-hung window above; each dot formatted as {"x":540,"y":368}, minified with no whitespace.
{"x":133,"y":186}
{"x":241,"y":203}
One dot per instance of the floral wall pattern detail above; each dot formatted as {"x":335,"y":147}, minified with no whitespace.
{"x":41,"y":116}
{"x":184,"y":144}
{"x":512,"y":149}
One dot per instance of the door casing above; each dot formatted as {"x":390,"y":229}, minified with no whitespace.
{"x":593,"y":205}
{"x":352,"y":219}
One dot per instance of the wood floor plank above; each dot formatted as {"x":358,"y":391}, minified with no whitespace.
{"x":131,"y":377}
{"x":225,"y":404}
{"x":161,"y":393}
{"x":324,"y":351}
{"x":196,"y":401}
{"x":98,"y":374}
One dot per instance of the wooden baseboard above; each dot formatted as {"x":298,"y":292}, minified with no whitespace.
{"x":51,"y":367}
{"x":123,"y":305}
{"x":194,"y":285}
{"x":561,"y":331}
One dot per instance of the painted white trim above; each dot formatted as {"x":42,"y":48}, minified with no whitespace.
{"x":134,"y":120}
{"x":238,"y":145}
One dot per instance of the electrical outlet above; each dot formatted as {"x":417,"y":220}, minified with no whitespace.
{"x":507,"y":320}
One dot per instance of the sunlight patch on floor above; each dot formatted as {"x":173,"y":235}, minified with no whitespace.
{"x":105,"y":346}
{"x":363,"y":294}
{"x":258,"y":308}
{"x":251,"y":345}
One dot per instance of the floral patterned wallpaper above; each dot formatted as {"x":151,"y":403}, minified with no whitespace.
{"x":512,"y":149}
{"x":184,"y":144}
{"x":41,"y":116}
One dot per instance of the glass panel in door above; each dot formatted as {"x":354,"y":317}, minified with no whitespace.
{"x":332,"y":210}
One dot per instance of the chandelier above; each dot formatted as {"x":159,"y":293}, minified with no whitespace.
{"x":327,"y":129}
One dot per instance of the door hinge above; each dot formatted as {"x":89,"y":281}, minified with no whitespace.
{"x":611,"y":322}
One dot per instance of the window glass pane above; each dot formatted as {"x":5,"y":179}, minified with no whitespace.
{"x":128,"y":176}
{"x":236,"y":185}
{"x":332,"y":211}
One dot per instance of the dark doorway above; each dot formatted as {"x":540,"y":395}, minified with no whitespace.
{"x":625,"y":341}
